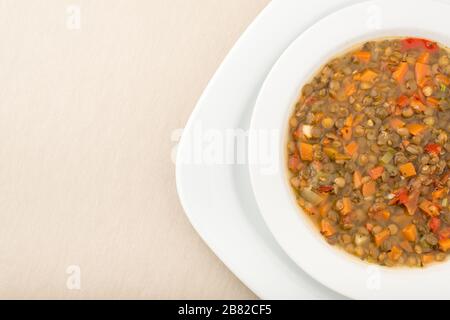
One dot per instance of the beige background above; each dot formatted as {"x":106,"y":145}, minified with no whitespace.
{"x":86,"y":117}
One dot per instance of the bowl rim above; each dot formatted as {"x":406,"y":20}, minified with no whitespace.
{"x":303,"y":243}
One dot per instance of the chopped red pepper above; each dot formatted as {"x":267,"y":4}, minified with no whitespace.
{"x":419,"y":43}
{"x":325,"y":189}
{"x":433,"y":148}
{"x":434,"y":224}
{"x":400,"y":196}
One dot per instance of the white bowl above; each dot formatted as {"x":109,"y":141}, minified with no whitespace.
{"x":292,"y":228}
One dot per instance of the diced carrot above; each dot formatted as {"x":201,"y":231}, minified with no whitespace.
{"x":368,"y":75}
{"x":439,"y":193}
{"x":351,"y":148}
{"x":381,"y":215}
{"x":424,"y":57}
{"x":422,"y":72}
{"x":427,"y":258}
{"x":294,"y":163}
{"x":395,"y":253}
{"x":410,"y":232}
{"x":417,"y":104}
{"x":363,"y":56}
{"x":400,"y":73}
{"x":357,"y":179}
{"x":369,"y":188}
{"x":444,"y":244}
{"x":306,"y":151}
{"x":324,"y":208}
{"x":396,"y":123}
{"x":416,"y":128}
{"x":346,"y":133}
{"x":402,"y":101}
{"x":369,"y":227}
{"x":405,"y":143}
{"x":405,"y":245}
{"x":432,"y":101}
{"x":376,"y":172}
{"x":381,"y":237}
{"x":442,"y":79}
{"x":326,"y":228}
{"x":350,"y":89}
{"x":347,"y":208}
{"x":407,"y":170}
{"x":429,"y":208}
{"x":348,"y":121}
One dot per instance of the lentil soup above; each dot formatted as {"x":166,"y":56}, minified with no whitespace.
{"x":369,"y":156}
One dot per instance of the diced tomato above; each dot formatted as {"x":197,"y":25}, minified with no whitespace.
{"x":433,"y":148}
{"x":419,"y":43}
{"x":434,"y":224}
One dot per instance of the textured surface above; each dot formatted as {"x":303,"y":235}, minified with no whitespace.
{"x":90,"y":96}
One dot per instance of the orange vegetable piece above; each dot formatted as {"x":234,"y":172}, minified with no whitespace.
{"x":357,"y":179}
{"x":395,"y":253}
{"x":369,"y":188}
{"x":402,"y":101}
{"x":326,"y":228}
{"x":417,"y":104}
{"x":376,"y":172}
{"x":400,"y":72}
{"x":407,"y":170}
{"x":346,"y":133}
{"x":415,"y":128}
{"x":427,"y":258}
{"x":347,"y":202}
{"x":348,"y":121}
{"x":350,"y":89}
{"x":363,"y":56}
{"x":442,"y":79}
{"x":306,"y":151}
{"x":324,"y":208}
{"x":397,"y":123}
{"x":444,"y":244}
{"x":384,"y":214}
{"x":410,"y":232}
{"x":424,"y":57}
{"x":368,"y":75}
{"x":351,"y":148}
{"x":432,"y":101}
{"x":439,"y":193}
{"x":423,"y":71}
{"x":429,"y":208}
{"x":381,"y":237}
